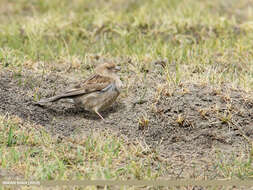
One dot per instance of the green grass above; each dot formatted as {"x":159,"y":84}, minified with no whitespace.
{"x":202,"y":41}
{"x":30,"y":151}
{"x":210,"y":40}
{"x":234,"y":166}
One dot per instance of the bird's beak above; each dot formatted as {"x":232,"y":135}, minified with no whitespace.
{"x":117,"y":68}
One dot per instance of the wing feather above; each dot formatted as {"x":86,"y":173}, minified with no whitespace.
{"x":94,"y":83}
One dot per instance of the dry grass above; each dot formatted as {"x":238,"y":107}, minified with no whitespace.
{"x":206,"y":42}
{"x":30,"y":152}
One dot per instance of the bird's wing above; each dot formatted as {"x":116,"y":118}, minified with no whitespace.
{"x":96,"y":83}
{"x":92,"y":84}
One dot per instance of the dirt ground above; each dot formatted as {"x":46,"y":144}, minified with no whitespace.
{"x":186,"y":125}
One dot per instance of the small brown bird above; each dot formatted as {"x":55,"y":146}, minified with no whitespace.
{"x":97,"y":92}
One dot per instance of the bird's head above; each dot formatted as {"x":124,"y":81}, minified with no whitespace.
{"x":107,"y":69}
{"x":110,"y":70}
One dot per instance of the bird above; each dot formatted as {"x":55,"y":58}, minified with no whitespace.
{"x":96,"y":93}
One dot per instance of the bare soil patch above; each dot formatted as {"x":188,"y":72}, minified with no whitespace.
{"x":185,"y":126}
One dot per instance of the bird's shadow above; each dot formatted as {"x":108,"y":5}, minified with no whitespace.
{"x":73,"y":111}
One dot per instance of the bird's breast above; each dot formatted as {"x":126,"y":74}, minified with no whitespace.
{"x":100,"y":100}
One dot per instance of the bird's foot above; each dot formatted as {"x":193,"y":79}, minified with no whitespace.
{"x":106,"y":121}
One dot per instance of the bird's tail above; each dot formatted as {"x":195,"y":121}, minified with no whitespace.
{"x":69,"y":94}
{"x":51,"y":99}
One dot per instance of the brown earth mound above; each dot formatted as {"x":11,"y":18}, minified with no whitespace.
{"x":184,"y":124}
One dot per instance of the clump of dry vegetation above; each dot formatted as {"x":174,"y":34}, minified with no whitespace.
{"x":188,"y":75}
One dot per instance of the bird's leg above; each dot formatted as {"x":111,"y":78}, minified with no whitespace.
{"x":99,"y":115}
{"x":105,"y":121}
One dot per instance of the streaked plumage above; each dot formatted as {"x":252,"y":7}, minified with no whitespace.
{"x":96,"y":93}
